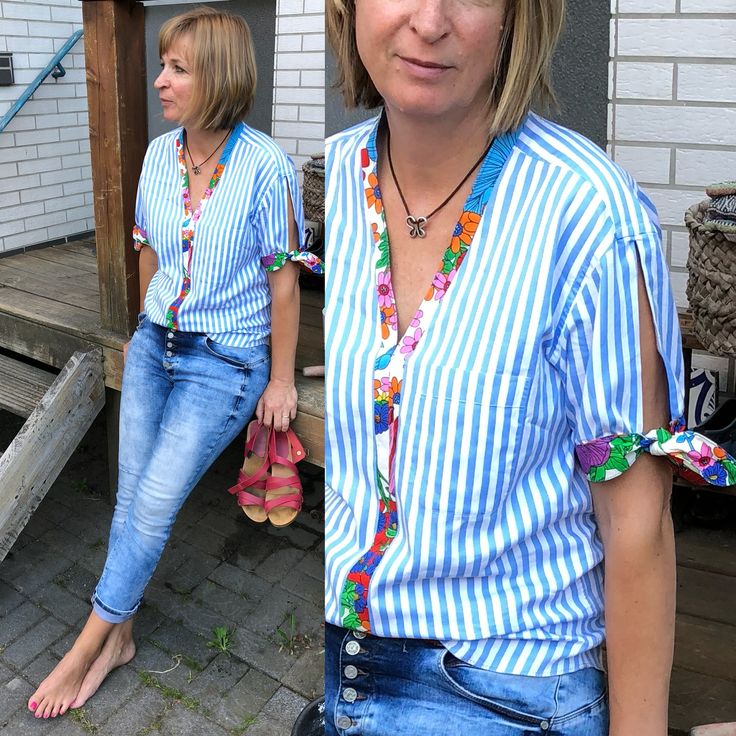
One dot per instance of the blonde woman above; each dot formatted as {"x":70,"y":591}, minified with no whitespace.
{"x":218,"y":223}
{"x":501,"y":339}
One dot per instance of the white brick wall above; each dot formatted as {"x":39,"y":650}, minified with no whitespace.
{"x":672,"y":117}
{"x":299,"y":78}
{"x":45,"y":180}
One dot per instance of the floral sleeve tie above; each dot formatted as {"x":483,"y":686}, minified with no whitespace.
{"x":140,"y":238}
{"x":275,"y":261}
{"x":696,"y":458}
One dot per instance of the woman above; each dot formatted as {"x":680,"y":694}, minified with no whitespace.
{"x":464,"y":543}
{"x":218,"y":222}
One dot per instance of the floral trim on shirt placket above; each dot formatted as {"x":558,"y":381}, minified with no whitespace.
{"x":389,"y":366}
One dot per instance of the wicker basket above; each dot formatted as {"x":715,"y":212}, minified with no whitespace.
{"x":711,"y":286}
{"x":314,"y":189}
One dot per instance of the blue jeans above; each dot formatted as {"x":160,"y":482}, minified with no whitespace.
{"x":409,"y":687}
{"x":184,"y":400}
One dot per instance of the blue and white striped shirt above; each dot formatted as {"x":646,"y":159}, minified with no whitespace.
{"x":245,"y":220}
{"x":534,"y":350}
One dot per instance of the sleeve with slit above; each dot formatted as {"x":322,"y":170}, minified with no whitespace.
{"x":601,"y":360}
{"x":140,"y":234}
{"x":272,"y":226}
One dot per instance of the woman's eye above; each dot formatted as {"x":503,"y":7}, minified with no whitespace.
{"x":178,"y":69}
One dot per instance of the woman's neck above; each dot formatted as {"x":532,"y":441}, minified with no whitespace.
{"x":432,"y":154}
{"x":202,"y":143}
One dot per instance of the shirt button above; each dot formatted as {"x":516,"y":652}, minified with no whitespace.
{"x":359,"y":634}
{"x":169,"y":353}
{"x":169,"y":335}
{"x":352,"y":647}
{"x":544,"y":725}
{"x":344,"y":722}
{"x":351,"y":672}
{"x":350,"y":694}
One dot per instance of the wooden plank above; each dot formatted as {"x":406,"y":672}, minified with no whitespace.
{"x":713,"y":550}
{"x":309,"y":423}
{"x":86,"y":246}
{"x":706,"y":595}
{"x":57,"y":289}
{"x":43,"y":268}
{"x":705,"y":646}
{"x":59,"y":256}
{"x":62,"y":317}
{"x":22,"y":385}
{"x":697,"y":698}
{"x":114,"y":47}
{"x":46,"y":441}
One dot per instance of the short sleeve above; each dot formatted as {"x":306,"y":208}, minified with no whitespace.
{"x":601,"y":360}
{"x":272,"y":225}
{"x":140,"y":234}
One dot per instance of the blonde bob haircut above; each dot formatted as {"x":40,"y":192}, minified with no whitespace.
{"x":523,"y":73}
{"x":223,"y":65}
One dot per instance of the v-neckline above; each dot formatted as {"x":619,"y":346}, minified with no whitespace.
{"x":454,"y":255}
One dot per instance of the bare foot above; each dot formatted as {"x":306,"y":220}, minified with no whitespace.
{"x":58,"y":691}
{"x":119,"y":649}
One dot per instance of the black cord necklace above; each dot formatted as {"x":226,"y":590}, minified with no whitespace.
{"x":418,"y":225}
{"x":196,"y":168}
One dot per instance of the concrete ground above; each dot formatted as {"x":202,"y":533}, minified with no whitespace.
{"x":230,"y":637}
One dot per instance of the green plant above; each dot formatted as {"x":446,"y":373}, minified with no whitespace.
{"x":82,"y":718}
{"x":222,"y":639}
{"x":288,"y":640}
{"x":245,"y":722}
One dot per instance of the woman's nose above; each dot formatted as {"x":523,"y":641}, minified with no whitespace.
{"x":160,"y":80}
{"x":430,"y":19}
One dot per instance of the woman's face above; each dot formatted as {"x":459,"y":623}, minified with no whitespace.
{"x":174,"y":83}
{"x":430,"y":57}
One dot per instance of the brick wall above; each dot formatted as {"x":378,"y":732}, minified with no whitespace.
{"x":45,"y":175}
{"x":672,"y":117}
{"x":299,"y":78}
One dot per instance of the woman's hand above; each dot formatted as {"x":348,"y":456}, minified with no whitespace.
{"x":277,"y":406}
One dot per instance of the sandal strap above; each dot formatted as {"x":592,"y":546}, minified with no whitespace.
{"x":248,"y":499}
{"x":257,"y":480}
{"x":277,"y":481}
{"x":292,"y":501}
{"x":297,"y":449}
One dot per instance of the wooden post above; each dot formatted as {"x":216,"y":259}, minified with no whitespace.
{"x":114,"y":47}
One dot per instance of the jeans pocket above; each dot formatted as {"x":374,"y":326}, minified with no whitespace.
{"x":528,"y":701}
{"x":246,"y":358}
{"x":142,"y":316}
{"x":581,"y":696}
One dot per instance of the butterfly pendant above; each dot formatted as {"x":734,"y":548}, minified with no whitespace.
{"x":416,"y":226}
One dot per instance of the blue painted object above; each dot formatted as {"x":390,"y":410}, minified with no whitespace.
{"x":54,"y":68}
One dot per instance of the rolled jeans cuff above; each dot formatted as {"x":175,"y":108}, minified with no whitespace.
{"x":110,"y":615}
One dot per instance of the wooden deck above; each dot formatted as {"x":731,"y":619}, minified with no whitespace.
{"x":50,"y":307}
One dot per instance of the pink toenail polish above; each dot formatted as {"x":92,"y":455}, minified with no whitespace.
{"x":34,"y":706}
{"x":46,"y":715}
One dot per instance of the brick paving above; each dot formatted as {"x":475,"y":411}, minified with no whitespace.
{"x":220,"y":570}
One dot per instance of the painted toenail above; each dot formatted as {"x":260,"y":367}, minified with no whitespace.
{"x":34,"y":705}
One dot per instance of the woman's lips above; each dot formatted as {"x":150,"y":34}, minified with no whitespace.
{"x":423,"y":69}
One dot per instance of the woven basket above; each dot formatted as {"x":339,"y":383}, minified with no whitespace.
{"x":711,"y":286}
{"x":314,"y":189}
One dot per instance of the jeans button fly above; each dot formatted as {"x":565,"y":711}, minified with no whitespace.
{"x":359,"y":634}
{"x":169,"y":335}
{"x":351,"y":672}
{"x":169,"y":353}
{"x":352,"y":647}
{"x":344,"y":722}
{"x":349,"y":694}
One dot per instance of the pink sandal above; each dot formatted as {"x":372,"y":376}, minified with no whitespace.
{"x":283,"y":487}
{"x":254,"y":473}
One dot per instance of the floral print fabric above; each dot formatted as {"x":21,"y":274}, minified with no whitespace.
{"x":696,"y":458}
{"x":275,"y":261}
{"x":395,"y":350}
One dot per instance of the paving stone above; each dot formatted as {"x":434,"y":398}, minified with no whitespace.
{"x":53,"y":511}
{"x":202,"y":620}
{"x":313,"y":564}
{"x":14,"y":695}
{"x":147,"y":620}
{"x":34,"y":641}
{"x":18,"y":621}
{"x":9,"y":599}
{"x":307,"y":676}
{"x":176,"y":639}
{"x":118,"y":687}
{"x":222,"y":600}
{"x":193,"y":571}
{"x":23,"y":723}
{"x":37,"y":670}
{"x":278,"y":564}
{"x":67,"y":607}
{"x":203,"y":539}
{"x":79,"y":581}
{"x":220,"y":675}
{"x":225,"y":522}
{"x":262,"y":652}
{"x":266,"y":726}
{"x":179,"y":721}
{"x":302,"y":538}
{"x":93,"y":559}
{"x":244,"y":700}
{"x":36,"y":526}
{"x":33,"y":567}
{"x":305,"y":586}
{"x":251,"y":585}
{"x":273,"y":610}
{"x":58,"y":538}
{"x":253,"y":547}
{"x":143,"y":711}
{"x":60,"y":647}
{"x":310,"y":620}
{"x":285,"y":706}
{"x":165,"y":668}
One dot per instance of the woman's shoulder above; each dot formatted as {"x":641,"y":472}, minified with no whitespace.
{"x":354,"y":137}
{"x":629,"y":208}
{"x":257,"y":147}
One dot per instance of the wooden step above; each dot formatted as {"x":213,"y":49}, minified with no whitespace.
{"x":22,"y":386}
